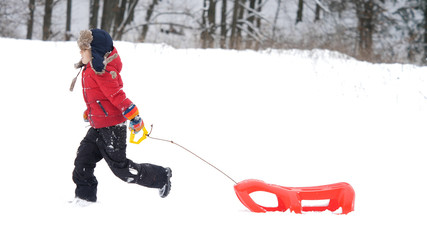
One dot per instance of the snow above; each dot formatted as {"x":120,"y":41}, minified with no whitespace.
{"x":292,"y":118}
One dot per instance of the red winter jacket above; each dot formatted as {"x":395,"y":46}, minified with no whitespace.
{"x":105,"y":99}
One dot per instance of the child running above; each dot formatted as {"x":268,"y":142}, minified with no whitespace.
{"x":108,"y":110}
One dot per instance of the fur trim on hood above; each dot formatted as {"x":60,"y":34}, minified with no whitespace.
{"x":105,"y":62}
{"x":85,"y":39}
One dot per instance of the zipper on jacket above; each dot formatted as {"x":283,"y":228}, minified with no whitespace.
{"x":103,"y":109}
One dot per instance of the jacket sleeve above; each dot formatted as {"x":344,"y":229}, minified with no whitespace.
{"x":113,"y":90}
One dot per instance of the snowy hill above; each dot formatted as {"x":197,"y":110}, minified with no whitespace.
{"x":293,"y":118}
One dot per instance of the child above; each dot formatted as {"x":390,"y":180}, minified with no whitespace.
{"x":107,"y":111}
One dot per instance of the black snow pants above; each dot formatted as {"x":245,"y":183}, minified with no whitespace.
{"x":110,"y":144}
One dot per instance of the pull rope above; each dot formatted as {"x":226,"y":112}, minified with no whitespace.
{"x":170,"y":141}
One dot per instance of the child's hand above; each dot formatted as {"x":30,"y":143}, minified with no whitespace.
{"x":85,"y":116}
{"x":136,"y":124}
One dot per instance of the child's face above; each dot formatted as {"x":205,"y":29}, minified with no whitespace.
{"x":86,"y":56}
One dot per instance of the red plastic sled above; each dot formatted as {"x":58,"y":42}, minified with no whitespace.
{"x":340,"y":195}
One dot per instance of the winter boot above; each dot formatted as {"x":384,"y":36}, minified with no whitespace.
{"x":164,"y":191}
{"x":78,"y":202}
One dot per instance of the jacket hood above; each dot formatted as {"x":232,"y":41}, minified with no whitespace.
{"x":112,"y":63}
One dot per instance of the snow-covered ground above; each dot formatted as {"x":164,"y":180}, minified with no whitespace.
{"x":292,"y":118}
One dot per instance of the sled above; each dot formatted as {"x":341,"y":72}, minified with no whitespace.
{"x":340,"y":195}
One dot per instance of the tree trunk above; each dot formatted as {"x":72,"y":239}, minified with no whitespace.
{"x":108,"y":14}
{"x":68,"y":23}
{"x":299,"y":11}
{"x":317,"y":13}
{"x":223,"y":40}
{"x":258,"y":22}
{"x":424,"y":60}
{"x":204,"y":34}
{"x":251,"y":20}
{"x":276,"y":16}
{"x":47,"y":20}
{"x":150,"y":11}
{"x":30,"y":23}
{"x":365,"y":15}
{"x":212,"y":22}
{"x":94,"y":9}
{"x":208,"y":22}
{"x":119,"y":18}
{"x":237,"y":24}
{"x":234,"y":24}
{"x":128,"y":19}
{"x":239,"y":40}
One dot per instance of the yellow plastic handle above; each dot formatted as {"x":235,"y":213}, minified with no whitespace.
{"x":132,"y":136}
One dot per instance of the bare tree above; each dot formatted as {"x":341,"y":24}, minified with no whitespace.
{"x":251,"y":20}
{"x":223,"y":24}
{"x":253,"y":23}
{"x":109,"y":13}
{"x":317,"y":12}
{"x":94,"y":9}
{"x":118,"y":18}
{"x":68,"y":22}
{"x":276,"y":16}
{"x":124,"y":18}
{"x":233,"y":26}
{"x":47,"y":20}
{"x":299,"y":11}
{"x":424,"y":9}
{"x":208,"y":23}
{"x":246,"y":24}
{"x":365,"y":27}
{"x":148,"y":15}
{"x":30,"y":22}
{"x":240,"y":24}
{"x":237,"y":24}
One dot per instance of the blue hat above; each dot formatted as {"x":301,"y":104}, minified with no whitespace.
{"x":100,"y":43}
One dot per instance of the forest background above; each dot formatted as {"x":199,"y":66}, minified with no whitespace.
{"x":389,"y":31}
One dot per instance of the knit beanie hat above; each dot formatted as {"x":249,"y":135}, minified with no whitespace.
{"x":100,"y":43}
